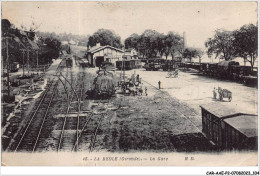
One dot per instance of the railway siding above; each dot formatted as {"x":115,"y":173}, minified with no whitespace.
{"x":156,"y":122}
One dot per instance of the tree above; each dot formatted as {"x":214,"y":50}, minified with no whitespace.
{"x":15,"y":44}
{"x":132,"y":41}
{"x":6,"y":25}
{"x":173,"y":44}
{"x":149,"y":42}
{"x":105,"y":37}
{"x":192,"y":53}
{"x":245,"y":43}
{"x":221,"y":45}
{"x":161,"y":44}
{"x":50,"y":49}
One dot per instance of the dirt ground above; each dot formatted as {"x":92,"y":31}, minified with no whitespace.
{"x":196,"y":90}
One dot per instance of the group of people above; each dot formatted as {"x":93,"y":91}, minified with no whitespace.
{"x":135,"y":85}
{"x":222,"y":93}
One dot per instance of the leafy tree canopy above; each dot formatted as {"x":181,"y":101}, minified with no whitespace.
{"x":245,"y":43}
{"x":221,"y":45}
{"x":192,"y":53}
{"x":152,"y":43}
{"x":105,"y":37}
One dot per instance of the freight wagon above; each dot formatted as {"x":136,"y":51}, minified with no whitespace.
{"x":228,"y":128}
{"x":230,"y":70}
{"x":154,"y":64}
{"x":125,"y":64}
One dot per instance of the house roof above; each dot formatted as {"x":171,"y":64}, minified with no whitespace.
{"x":19,"y":41}
{"x":246,"y":124}
{"x":129,"y":49}
{"x":33,"y":45}
{"x":96,"y":49}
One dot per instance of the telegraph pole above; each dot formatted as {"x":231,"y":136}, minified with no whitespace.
{"x":23,"y":61}
{"x":124,"y":68}
{"x":7,"y":66}
{"x":37,"y":52}
{"x":28,"y":61}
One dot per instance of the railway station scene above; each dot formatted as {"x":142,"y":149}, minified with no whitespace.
{"x":112,"y":78}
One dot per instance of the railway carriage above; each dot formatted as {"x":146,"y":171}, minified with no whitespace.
{"x":195,"y":65}
{"x":68,"y":62}
{"x":14,"y":66}
{"x":125,"y":64}
{"x":224,"y":69}
{"x":203,"y":67}
{"x":235,"y":72}
{"x":167,"y":66}
{"x":154,"y":64}
{"x":213,"y":69}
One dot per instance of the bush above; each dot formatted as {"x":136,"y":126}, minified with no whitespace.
{"x":7,"y":99}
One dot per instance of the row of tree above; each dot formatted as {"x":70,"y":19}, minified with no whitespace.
{"x":81,"y":40}
{"x":149,"y":44}
{"x":152,"y":43}
{"x":224,"y":45}
{"x":228,"y":45}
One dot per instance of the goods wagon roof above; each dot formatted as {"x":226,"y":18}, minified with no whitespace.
{"x":246,"y":124}
{"x":219,"y":110}
{"x":225,"y":63}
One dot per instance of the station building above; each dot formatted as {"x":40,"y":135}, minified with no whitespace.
{"x":98,"y":54}
{"x":130,"y":54}
{"x":229,"y":129}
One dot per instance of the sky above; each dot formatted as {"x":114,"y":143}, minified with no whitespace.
{"x":198,"y":20}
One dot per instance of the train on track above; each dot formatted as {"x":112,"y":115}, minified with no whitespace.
{"x":68,"y":62}
{"x":229,"y":70}
{"x":155,"y":64}
{"x":128,"y":64}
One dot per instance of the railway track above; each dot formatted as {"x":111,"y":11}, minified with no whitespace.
{"x":65,"y":139}
{"x":79,"y":110}
{"x":94,"y":136}
{"x":30,"y":135}
{"x":74,"y":133}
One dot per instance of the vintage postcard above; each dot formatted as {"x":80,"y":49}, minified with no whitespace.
{"x":129,"y":83}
